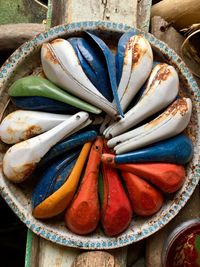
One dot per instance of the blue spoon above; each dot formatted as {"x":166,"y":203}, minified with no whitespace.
{"x":70,"y":143}
{"x":178,"y":149}
{"x":43,"y":104}
{"x":93,"y":64}
{"x":53,"y":177}
{"x":110,"y":61}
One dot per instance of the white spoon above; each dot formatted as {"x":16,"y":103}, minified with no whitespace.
{"x":170,"y":123}
{"x":138,"y":61}
{"x":161,"y":90}
{"x":24,"y":124}
{"x":61,"y":66}
{"x":21,"y":159}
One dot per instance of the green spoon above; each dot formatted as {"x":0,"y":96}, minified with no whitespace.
{"x":37,"y":86}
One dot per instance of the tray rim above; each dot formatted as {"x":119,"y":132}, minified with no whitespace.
{"x":36,"y":226}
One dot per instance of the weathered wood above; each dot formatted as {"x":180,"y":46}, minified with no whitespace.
{"x":120,"y":255}
{"x":143,"y":14}
{"x":32,"y":248}
{"x":14,"y":35}
{"x":95,"y":259}
{"x":154,"y":246}
{"x":53,"y":255}
{"x":108,"y":10}
{"x":165,"y":32}
{"x":183,"y":13}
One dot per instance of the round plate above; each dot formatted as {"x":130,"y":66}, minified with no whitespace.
{"x":22,"y":62}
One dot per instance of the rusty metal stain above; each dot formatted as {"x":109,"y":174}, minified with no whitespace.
{"x":162,"y":74}
{"x":180,"y":105}
{"x":25,"y":172}
{"x":49,"y":55}
{"x":32,"y":131}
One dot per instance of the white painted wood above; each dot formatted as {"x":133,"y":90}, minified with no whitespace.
{"x":53,"y":255}
{"x":108,"y":10}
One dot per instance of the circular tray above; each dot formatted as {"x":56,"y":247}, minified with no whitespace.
{"x":22,"y":62}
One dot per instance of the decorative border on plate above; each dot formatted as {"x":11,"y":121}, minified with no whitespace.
{"x":124,"y":239}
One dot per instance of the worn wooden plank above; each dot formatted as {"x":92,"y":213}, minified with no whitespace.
{"x":165,"y":32}
{"x":168,"y":34}
{"x":108,"y":10}
{"x":143,"y":14}
{"x":53,"y":255}
{"x":96,"y":259}
{"x":32,"y":248}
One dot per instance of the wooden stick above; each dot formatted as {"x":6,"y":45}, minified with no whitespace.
{"x":182,"y":13}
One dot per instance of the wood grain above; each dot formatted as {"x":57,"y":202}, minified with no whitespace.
{"x":143,"y":14}
{"x":108,"y":10}
{"x":95,"y":259}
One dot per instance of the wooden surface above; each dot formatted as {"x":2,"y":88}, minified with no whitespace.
{"x":134,"y":13}
{"x":183,"y":13}
{"x":109,"y":10}
{"x":155,"y":243}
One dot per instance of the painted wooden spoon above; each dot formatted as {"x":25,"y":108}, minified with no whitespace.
{"x":62,"y":67}
{"x":37,"y":86}
{"x":161,"y":90}
{"x":23,"y":124}
{"x":108,"y":121}
{"x":178,"y":149}
{"x":170,"y":123}
{"x":21,"y":159}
